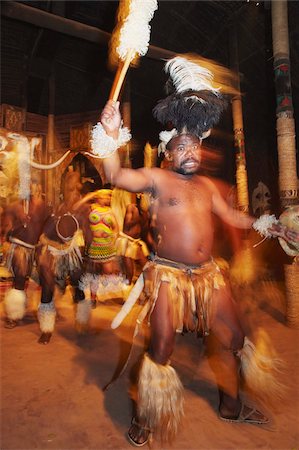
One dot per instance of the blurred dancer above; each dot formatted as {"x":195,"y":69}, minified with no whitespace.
{"x":129,"y":243}
{"x":102,"y":269}
{"x":23,"y":225}
{"x":184,"y":286}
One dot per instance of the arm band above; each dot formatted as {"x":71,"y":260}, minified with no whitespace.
{"x":103,"y":145}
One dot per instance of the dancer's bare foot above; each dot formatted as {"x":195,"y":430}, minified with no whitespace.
{"x":10,"y":323}
{"x":45,"y":338}
{"x":138,"y":434}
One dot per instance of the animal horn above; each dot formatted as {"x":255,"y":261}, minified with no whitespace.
{"x":33,"y":144}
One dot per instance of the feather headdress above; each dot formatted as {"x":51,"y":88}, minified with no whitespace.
{"x":186,"y":75}
{"x":196,"y":101}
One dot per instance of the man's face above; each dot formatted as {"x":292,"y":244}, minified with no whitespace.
{"x":185,"y":154}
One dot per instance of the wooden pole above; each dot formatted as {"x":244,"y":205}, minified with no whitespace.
{"x":239,"y":139}
{"x":126,"y":115}
{"x":288,"y":180}
{"x":120,"y":76}
{"x":50,"y":185}
{"x":285,"y":124}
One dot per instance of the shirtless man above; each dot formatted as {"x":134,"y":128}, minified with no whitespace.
{"x":22,"y":229}
{"x":183,"y":245}
{"x":184,"y":287}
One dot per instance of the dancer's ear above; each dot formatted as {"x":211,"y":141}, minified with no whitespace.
{"x":168,"y":155}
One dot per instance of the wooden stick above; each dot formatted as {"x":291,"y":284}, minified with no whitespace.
{"x":120,"y":76}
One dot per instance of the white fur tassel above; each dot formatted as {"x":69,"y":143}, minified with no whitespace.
{"x":15,"y":304}
{"x":135,"y":32}
{"x":101,"y":284}
{"x":103,"y":145}
{"x":264,"y":222}
{"x":260,"y":368}
{"x":83,"y":312}
{"x":46,"y":315}
{"x":187,"y":75}
{"x":160,"y":398}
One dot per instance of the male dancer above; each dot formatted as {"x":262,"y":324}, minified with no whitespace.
{"x":184,"y":286}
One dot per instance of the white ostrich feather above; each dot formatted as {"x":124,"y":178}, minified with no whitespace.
{"x":264,"y":222}
{"x":135,"y":33}
{"x":187,"y":75}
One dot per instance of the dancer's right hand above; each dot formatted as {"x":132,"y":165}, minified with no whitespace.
{"x":111,"y":118}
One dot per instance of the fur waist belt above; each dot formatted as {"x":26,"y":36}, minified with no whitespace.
{"x":189,"y":291}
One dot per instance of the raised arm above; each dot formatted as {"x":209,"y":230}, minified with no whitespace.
{"x":229,"y":215}
{"x":133,"y":180}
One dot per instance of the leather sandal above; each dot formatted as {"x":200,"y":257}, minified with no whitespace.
{"x":247,"y":414}
{"x":141,"y":431}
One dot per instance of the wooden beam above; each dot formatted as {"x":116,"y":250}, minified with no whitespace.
{"x":43,"y":19}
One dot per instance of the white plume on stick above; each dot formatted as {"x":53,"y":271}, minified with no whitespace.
{"x":132,"y":37}
{"x":187,"y":75}
{"x":135,"y":33}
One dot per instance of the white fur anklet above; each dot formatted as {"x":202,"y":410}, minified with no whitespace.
{"x":260,"y":368}
{"x":46,"y":315}
{"x":15,"y":304}
{"x":103,"y":145}
{"x":160,"y":398}
{"x":83,"y":312}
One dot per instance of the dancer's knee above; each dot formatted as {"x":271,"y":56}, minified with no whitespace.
{"x":221,"y":343}
{"x":161,"y":351}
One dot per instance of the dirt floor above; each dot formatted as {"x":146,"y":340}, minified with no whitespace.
{"x":52,"y":397}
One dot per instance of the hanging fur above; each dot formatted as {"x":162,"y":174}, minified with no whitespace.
{"x":83,"y":312}
{"x":260,"y":368}
{"x":160,"y":398}
{"x":15,"y":304}
{"x":46,"y":315}
{"x":102,"y":284}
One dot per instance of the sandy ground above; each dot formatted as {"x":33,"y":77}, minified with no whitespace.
{"x":52,"y":397}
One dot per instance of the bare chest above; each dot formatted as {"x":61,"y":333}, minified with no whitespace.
{"x":183,"y":194}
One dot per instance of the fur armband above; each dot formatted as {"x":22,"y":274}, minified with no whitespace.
{"x":263,"y":223}
{"x":103,"y":145}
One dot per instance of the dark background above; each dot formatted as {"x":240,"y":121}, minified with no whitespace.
{"x":30,"y":54}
